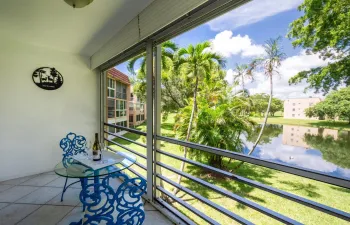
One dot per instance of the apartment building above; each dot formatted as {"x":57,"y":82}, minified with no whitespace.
{"x":295,"y":108}
{"x":137,"y":110}
{"x":118,"y":97}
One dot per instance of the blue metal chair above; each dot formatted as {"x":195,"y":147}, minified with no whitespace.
{"x":110,"y":207}
{"x":72,"y":145}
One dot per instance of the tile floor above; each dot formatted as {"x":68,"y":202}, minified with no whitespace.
{"x":36,"y":200}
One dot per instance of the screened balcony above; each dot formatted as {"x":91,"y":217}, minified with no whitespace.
{"x":82,"y":44}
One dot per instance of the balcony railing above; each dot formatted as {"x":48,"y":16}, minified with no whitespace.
{"x":160,"y":199}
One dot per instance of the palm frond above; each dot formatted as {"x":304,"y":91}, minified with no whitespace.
{"x":132,"y":61}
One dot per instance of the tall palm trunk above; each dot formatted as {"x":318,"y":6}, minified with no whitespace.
{"x":243,"y":83}
{"x":264,"y":124}
{"x":188,"y":135}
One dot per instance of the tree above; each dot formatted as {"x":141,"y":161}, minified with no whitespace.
{"x":168,"y":49}
{"x":197,"y":63}
{"x":276,"y":106}
{"x":324,"y":29}
{"x":221,"y":128}
{"x":174,"y":91}
{"x":336,"y":104}
{"x":219,"y":121}
{"x":269,"y":63}
{"x":260,"y":102}
{"x":139,"y":80}
{"x":243,"y":72}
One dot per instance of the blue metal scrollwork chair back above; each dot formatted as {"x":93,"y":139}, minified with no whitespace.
{"x":121,"y":207}
{"x":71,"y":145}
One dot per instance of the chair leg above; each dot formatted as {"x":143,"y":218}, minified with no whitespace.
{"x":64,"y":189}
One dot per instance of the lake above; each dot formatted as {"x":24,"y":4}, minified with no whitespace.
{"x":320,"y":149}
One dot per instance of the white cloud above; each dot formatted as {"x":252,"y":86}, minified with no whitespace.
{"x":229,"y":76}
{"x":252,"y":12}
{"x":227,"y":45}
{"x":289,"y":67}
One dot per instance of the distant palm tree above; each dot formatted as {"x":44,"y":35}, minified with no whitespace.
{"x":242,"y":72}
{"x":197,"y":63}
{"x":270,"y":64}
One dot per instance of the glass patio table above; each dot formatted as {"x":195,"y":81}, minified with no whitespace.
{"x":91,"y":194}
{"x":78,"y":170}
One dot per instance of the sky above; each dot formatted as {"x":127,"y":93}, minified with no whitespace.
{"x":239,"y":36}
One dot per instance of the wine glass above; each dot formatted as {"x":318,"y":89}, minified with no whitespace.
{"x":103,"y":148}
{"x":88,"y":149}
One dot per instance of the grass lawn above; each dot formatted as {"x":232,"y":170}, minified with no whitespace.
{"x":323,"y":193}
{"x":308,"y":123}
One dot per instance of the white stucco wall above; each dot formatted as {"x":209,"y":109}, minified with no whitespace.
{"x":33,"y":120}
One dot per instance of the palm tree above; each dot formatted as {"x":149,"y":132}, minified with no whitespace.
{"x":270,"y":64}
{"x":242,"y":72}
{"x":168,"y":50}
{"x":221,"y":127}
{"x":197,"y":63}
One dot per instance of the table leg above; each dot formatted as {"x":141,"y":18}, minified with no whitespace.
{"x":96,"y":183}
{"x":83,"y":182}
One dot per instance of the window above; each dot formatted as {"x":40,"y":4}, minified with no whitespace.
{"x":111,"y":107}
{"x":292,"y":134}
{"x":291,"y":139}
{"x":293,"y":104}
{"x":111,"y":88}
{"x":293,"y":110}
{"x":142,"y":107}
{"x":293,"y":115}
{"x":142,"y":117}
{"x":292,"y":128}
{"x":137,"y":106}
{"x":131,"y":106}
{"x":298,"y":114}
{"x":131,"y":97}
{"x":138,"y":118}
{"x":120,"y":110}
{"x":131,"y":119}
{"x":120,"y":90}
{"x":310,"y":104}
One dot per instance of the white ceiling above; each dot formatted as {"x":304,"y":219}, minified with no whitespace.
{"x":54,"y":24}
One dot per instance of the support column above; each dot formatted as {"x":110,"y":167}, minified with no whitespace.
{"x":103,"y":104}
{"x":149,"y":97}
{"x":157,"y":118}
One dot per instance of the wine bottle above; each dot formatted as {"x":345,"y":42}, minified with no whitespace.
{"x":96,"y":149}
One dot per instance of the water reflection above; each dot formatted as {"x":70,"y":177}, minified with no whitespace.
{"x":320,"y":149}
{"x":295,"y":135}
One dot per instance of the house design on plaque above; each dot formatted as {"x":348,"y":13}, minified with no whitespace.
{"x":47,"y":78}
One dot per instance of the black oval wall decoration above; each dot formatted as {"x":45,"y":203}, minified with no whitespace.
{"x":47,"y":78}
